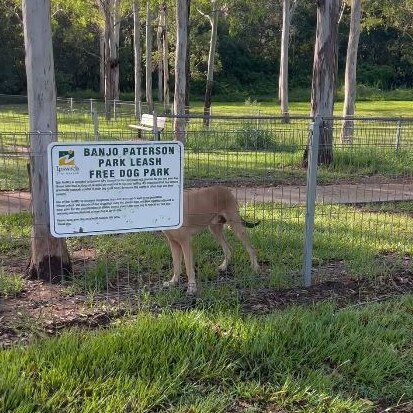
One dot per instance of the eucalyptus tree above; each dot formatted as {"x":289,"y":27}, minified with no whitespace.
{"x":163,"y":52}
{"x":324,"y":75}
{"x":350,"y":78}
{"x":161,"y":18}
{"x":148,"y":55}
{"x":213,"y":21}
{"x":106,"y":14}
{"x":288,"y":7}
{"x":180,"y":68}
{"x":137,"y":57}
{"x":49,"y":258}
{"x":110,"y":10}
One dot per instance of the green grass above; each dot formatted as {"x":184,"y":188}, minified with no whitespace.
{"x":14,"y":118}
{"x":354,"y":236}
{"x":281,"y":167}
{"x":10,"y":284}
{"x":313,"y":359}
{"x":255,"y":150}
{"x":377,"y":108}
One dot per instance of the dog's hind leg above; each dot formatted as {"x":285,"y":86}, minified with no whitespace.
{"x":218,"y":233}
{"x":176,"y":252}
{"x":241,"y":234}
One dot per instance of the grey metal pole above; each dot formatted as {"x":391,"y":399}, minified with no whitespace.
{"x":398,"y":132}
{"x":313,"y":145}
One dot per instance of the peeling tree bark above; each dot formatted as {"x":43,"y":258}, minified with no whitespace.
{"x":283,"y":77}
{"x":110,"y":13}
{"x":137,"y":58}
{"x":163,"y":34}
{"x":324,"y":75}
{"x":148,"y":73}
{"x":180,"y":68}
{"x":350,"y":74}
{"x":115,"y":17}
{"x":50,"y":259}
{"x":211,"y":60}
{"x":160,"y":55}
{"x":187,"y":59}
{"x":102,"y":63}
{"x":288,"y":11}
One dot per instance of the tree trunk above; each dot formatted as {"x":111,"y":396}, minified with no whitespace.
{"x":283,"y":77}
{"x":163,"y":58}
{"x":211,"y":61}
{"x":115,"y":47}
{"x":110,"y":12}
{"x":109,"y":92}
{"x":137,"y":58}
{"x":50,"y":259}
{"x":102,"y":63}
{"x":180,"y":68}
{"x":324,"y":75}
{"x":165,"y":50}
{"x":350,"y":74}
{"x":149,"y":99}
{"x":160,"y":54}
{"x":187,"y":59}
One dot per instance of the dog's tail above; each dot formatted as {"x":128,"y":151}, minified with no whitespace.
{"x":249,"y":224}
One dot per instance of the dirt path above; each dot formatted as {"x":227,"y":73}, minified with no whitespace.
{"x":14,"y":201}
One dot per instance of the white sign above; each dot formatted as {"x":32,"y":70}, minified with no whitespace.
{"x":114,"y":187}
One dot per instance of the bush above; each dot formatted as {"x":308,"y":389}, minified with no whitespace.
{"x":381,"y":76}
{"x":251,"y":138}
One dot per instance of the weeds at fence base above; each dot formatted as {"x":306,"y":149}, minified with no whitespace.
{"x":42,"y":309}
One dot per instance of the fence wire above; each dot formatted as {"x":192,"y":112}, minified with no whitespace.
{"x":362,"y":222}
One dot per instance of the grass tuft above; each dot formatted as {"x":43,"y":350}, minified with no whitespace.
{"x":314,"y":359}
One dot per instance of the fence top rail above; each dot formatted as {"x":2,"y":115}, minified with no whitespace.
{"x":291,"y":117}
{"x":238,"y":117}
{"x":200,"y":115}
{"x":369,"y":118}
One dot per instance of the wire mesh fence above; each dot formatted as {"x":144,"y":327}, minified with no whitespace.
{"x":362,"y":222}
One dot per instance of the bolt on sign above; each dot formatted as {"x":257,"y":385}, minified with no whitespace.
{"x":114,"y":187}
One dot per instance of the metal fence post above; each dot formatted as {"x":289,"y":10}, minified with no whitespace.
{"x":71,"y":104}
{"x":398,"y":133}
{"x":95,"y":124}
{"x":114,"y":109}
{"x":311,"y":187}
{"x":91,"y":108}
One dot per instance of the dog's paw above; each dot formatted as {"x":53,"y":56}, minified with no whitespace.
{"x":170,"y":283}
{"x":191,"y":290}
{"x":256,"y":267}
{"x":223,"y":268}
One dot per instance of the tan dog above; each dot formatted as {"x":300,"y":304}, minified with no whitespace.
{"x":206,"y":207}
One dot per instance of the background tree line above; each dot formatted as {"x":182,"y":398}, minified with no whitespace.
{"x":247,"y":53}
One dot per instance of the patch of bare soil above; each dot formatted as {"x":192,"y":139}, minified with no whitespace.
{"x":297,"y":179}
{"x":44,"y":309}
{"x":332,"y":282}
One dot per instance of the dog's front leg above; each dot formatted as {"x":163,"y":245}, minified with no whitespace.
{"x":189,"y":266}
{"x":177,"y":262}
